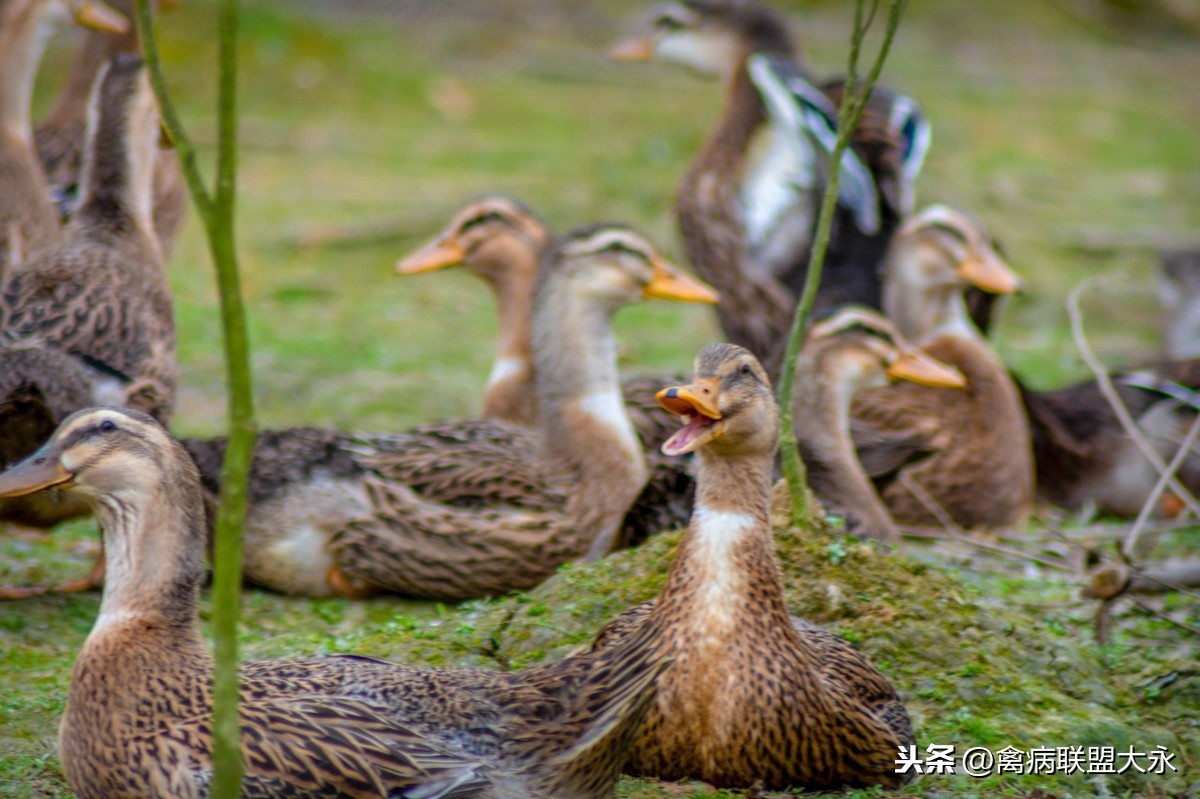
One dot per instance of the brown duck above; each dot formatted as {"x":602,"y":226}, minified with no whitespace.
{"x":979,"y":469}
{"x":138,"y":717}
{"x":465,"y":509}
{"x":501,"y":240}
{"x":28,"y":221}
{"x":60,"y":137}
{"x":752,"y":698}
{"x":852,"y":350}
{"x":745,"y":219}
{"x":91,"y":320}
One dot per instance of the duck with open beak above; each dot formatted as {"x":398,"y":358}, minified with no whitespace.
{"x":696,"y":404}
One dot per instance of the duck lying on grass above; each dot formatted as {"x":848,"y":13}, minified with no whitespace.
{"x":754,"y":696}
{"x":138,"y":716}
{"x":458,"y":510}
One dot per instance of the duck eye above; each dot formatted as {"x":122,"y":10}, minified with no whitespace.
{"x":746,"y":370}
{"x":107,"y":425}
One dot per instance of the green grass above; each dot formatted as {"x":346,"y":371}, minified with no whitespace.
{"x":360,"y":136}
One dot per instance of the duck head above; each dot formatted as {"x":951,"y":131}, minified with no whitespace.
{"x":490,"y":236}
{"x":711,"y":38}
{"x":859,"y":348}
{"x":611,"y":265}
{"x":728,"y":408}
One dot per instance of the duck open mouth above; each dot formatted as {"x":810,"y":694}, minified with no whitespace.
{"x":696,"y":406}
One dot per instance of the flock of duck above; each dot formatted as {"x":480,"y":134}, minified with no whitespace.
{"x":904,"y":414}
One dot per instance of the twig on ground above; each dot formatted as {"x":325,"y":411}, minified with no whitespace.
{"x":954,"y":531}
{"x":1104,"y":382}
{"x":1185,"y":448}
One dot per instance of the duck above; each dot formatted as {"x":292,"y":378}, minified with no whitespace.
{"x":1179,"y":297}
{"x":28,"y":221}
{"x":753,"y":245}
{"x":138,"y":716}
{"x":91,"y":321}
{"x":501,"y":239}
{"x":1086,"y":462}
{"x":852,"y":349}
{"x":61,"y":135}
{"x":752,"y":698}
{"x":979,"y":472}
{"x":458,"y":510}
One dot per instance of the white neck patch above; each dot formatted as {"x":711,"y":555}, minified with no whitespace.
{"x":506,"y":368}
{"x":716,"y":534}
{"x":607,"y":406}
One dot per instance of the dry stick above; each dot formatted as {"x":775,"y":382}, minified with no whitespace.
{"x":960,"y":534}
{"x":1110,"y":393}
{"x":1172,"y":469}
{"x":854,"y":100}
{"x":217,"y":212}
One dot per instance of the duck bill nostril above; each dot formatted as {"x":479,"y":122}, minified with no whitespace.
{"x":33,"y":475}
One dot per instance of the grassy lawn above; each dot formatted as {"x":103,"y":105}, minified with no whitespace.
{"x":363,"y":132}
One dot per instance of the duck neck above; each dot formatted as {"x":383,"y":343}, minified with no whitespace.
{"x":70,"y":107}
{"x":923,"y":313}
{"x":513,"y":370}
{"x":824,"y":395}
{"x":23,"y":36}
{"x":118,"y":165}
{"x":585,"y":430}
{"x":821,"y":411}
{"x":726,"y":566}
{"x":721,"y":156}
{"x":155,"y":560}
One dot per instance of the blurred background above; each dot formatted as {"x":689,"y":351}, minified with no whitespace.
{"x":1070,"y":127}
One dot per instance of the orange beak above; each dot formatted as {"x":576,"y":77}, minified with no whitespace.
{"x":697,"y":405}
{"x":99,"y":16}
{"x":440,"y":253}
{"x":668,"y":283}
{"x":635,"y":48}
{"x":917,"y":367}
{"x":985,"y":270}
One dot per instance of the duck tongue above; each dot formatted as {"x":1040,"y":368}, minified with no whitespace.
{"x":678,"y":444}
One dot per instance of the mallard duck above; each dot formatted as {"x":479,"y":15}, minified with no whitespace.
{"x":1179,"y":294}
{"x":60,"y":136}
{"x":1083,"y":457}
{"x":979,"y":471}
{"x":752,"y":698}
{"x":91,"y":320}
{"x":852,"y":350}
{"x":138,"y":715}
{"x":754,"y":246}
{"x":459,"y":510}
{"x":27,"y":218}
{"x":501,"y":240}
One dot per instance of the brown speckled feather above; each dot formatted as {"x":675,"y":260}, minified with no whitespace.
{"x":981,"y":468}
{"x":755,"y":697}
{"x":137,"y":721}
{"x":59,"y":138}
{"x":98,"y":305}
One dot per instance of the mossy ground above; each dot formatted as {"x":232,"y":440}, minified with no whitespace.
{"x":360,"y":136}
